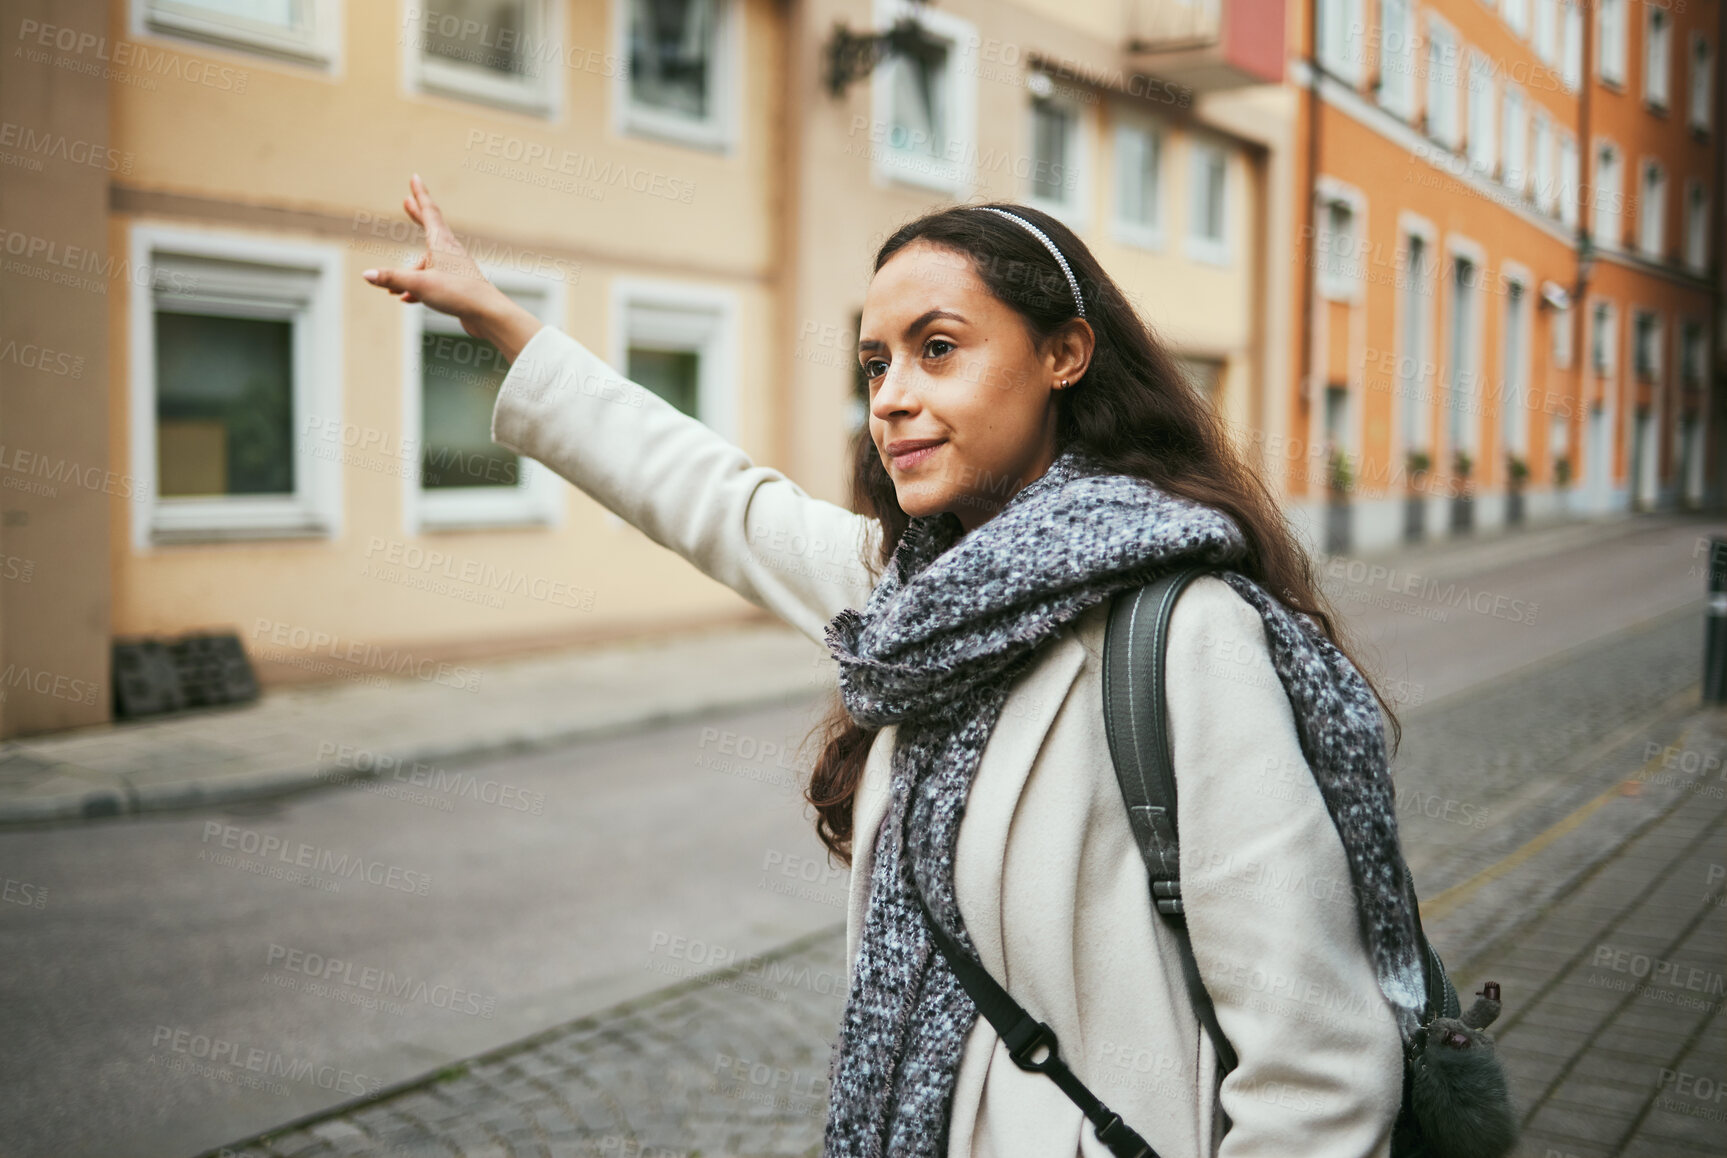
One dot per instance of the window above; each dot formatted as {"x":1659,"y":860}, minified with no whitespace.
{"x":1340,"y":38}
{"x":1571,"y":71}
{"x":1339,"y":251}
{"x":1657,"y":56}
{"x":1460,"y":356}
{"x":1601,"y":345}
{"x":1057,"y":145}
{"x":1562,"y":338}
{"x":1696,"y":227}
{"x":1692,"y":354}
{"x":1442,"y":77}
{"x":927,"y":107}
{"x":1568,"y":181}
{"x":1545,"y":192}
{"x":459,"y":478}
{"x":1139,"y":184}
{"x":1699,"y":83}
{"x":1651,"y":210}
{"x":492,"y":51}
{"x":302,"y":30}
{"x":1646,"y":345}
{"x":1605,"y":223}
{"x":1416,"y":342}
{"x":1208,"y":203}
{"x":236,"y":373}
{"x":1514,"y":367}
{"x":679,"y":342}
{"x":1610,"y":41}
{"x":1547,"y":31}
{"x":1397,"y":58}
{"x":1514,"y":170}
{"x":1516,"y":14}
{"x":1481,"y":142}
{"x":683,"y":67}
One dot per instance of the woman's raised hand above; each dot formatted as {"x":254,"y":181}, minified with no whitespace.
{"x":446,"y":279}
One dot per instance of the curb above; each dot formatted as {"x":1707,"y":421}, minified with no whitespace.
{"x":120,"y":798}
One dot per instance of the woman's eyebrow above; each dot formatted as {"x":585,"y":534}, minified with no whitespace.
{"x":917,"y":324}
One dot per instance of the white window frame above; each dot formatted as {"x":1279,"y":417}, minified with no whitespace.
{"x":1545,"y":39}
{"x":1483,"y":114}
{"x":318,"y":43}
{"x":1514,"y":162}
{"x":1571,"y":44}
{"x":1651,"y":209}
{"x":1693,"y":329}
{"x":1146,"y":235}
{"x":1071,"y":210}
{"x":888,"y":166}
{"x":1700,"y":84}
{"x":1339,"y":276}
{"x":1657,"y":57}
{"x":1607,"y":219}
{"x":649,"y":309}
{"x":538,"y":93}
{"x":720,"y":131}
{"x":1514,"y":373}
{"x":1545,"y":192}
{"x":537,"y":499}
{"x":1213,"y":251}
{"x":1610,"y":27}
{"x":1397,"y":69}
{"x":1657,"y":328}
{"x":1442,"y":82}
{"x":1417,"y":294}
{"x":1340,"y":40}
{"x":1696,"y":240}
{"x":1570,"y":175}
{"x":1469,"y":431}
{"x":1603,"y":337}
{"x":269,"y":286}
{"x":1562,"y":327}
{"x":1516,"y":13}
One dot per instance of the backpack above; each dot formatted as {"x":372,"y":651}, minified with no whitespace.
{"x":1456,"y":1099}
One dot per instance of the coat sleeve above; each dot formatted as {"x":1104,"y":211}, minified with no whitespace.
{"x":1270,"y":907}
{"x":684,"y":486}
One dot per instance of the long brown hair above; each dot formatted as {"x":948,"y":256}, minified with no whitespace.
{"x":1132,"y":409}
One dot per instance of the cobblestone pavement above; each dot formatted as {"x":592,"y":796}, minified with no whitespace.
{"x":1585,"y":876}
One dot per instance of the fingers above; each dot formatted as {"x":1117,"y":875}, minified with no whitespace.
{"x":398,"y":281}
{"x":430,"y":217}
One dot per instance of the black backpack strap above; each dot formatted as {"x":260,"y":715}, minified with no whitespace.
{"x":1136,"y":720}
{"x":1025,"y":1036}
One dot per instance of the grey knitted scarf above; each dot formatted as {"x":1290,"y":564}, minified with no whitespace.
{"x":953,"y":620}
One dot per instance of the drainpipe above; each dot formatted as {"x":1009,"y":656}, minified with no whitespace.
{"x":1309,"y":292}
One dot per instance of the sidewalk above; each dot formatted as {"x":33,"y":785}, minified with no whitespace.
{"x":298,"y":737}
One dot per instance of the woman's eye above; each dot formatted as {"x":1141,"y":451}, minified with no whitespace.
{"x":869,"y":368}
{"x":938,"y":342}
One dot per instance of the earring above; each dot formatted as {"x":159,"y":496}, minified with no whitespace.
{"x":1063,"y":385}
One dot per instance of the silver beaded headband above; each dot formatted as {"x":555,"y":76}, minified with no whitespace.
{"x":1073,"y":283}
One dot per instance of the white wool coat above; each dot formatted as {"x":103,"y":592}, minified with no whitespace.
{"x":1047,"y":875}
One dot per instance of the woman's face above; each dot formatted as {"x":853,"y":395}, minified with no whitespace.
{"x":954,"y":370}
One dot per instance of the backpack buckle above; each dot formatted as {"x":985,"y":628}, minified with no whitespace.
{"x":1024,"y":1039}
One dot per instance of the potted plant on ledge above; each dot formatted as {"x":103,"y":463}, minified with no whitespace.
{"x":1463,"y":498}
{"x":1517,"y":472}
{"x":1341,"y":478}
{"x":1416,"y":465}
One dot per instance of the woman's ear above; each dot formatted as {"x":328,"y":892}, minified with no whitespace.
{"x":1072,"y":346}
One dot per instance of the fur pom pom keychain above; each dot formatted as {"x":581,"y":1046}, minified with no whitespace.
{"x":1458,"y":1090}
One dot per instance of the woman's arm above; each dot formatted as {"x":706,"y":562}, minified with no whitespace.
{"x":1269,"y":900}
{"x":682,"y":485}
{"x":666,"y":473}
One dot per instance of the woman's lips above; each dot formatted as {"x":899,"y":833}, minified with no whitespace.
{"x":912,"y":457}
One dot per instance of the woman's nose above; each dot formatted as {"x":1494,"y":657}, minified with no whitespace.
{"x":894,"y":395}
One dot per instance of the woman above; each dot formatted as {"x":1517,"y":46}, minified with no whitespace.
{"x":1032,"y":451}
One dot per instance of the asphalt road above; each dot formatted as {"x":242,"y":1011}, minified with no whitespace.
{"x":192,"y":978}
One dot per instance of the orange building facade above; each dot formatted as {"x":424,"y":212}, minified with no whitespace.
{"x":1505,"y":277}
